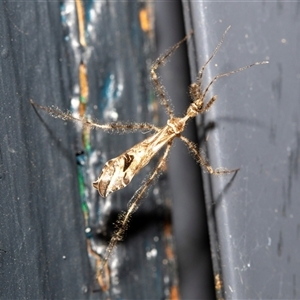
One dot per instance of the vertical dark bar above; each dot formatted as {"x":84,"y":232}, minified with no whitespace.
{"x":189,"y":214}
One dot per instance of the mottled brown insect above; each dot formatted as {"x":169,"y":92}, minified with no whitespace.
{"x":118,"y":172}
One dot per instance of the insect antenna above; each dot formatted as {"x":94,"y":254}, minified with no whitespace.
{"x":225,"y":75}
{"x":200,"y":74}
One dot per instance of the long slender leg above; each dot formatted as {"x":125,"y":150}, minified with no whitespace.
{"x":133,"y":204}
{"x":118,"y":127}
{"x":103,"y":279}
{"x":200,"y":158}
{"x":159,"y":88}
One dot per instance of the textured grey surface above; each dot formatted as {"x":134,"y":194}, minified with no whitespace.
{"x":253,"y":216}
{"x":40,"y":228}
{"x":41,"y":222}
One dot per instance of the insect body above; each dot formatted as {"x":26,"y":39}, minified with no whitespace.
{"x":118,"y":172}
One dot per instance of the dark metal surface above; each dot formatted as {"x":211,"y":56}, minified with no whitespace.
{"x":41,"y":223}
{"x":253,"y":216}
{"x":189,"y":215}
